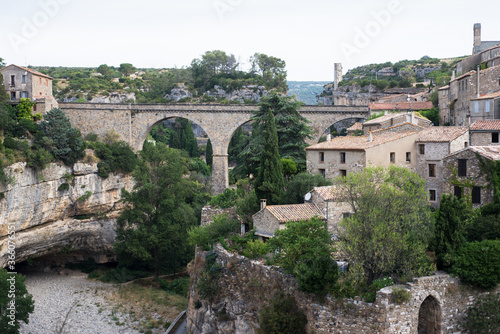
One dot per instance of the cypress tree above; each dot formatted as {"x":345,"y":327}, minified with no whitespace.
{"x":4,"y":97}
{"x":269,"y":183}
{"x":189,"y":140}
{"x":209,"y":154}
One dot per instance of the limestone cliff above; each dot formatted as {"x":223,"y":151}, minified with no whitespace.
{"x":44,"y":214}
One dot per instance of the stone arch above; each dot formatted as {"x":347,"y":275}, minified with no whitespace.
{"x":351,"y":120}
{"x":429,"y":316}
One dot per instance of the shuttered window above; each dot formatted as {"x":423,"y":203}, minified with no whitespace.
{"x":462,"y":167}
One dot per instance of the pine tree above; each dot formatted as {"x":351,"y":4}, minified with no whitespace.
{"x":209,"y":155}
{"x":449,"y":234}
{"x":269,"y":183}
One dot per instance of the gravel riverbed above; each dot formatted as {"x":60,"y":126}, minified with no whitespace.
{"x":84,"y":302}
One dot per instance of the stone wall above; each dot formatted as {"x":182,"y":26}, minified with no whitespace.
{"x":482,"y":138}
{"x":208,"y":213}
{"x":246,"y":286}
{"x":44,"y":217}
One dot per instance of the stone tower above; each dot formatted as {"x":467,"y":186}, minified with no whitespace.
{"x":337,"y":75}
{"x":477,"y":36}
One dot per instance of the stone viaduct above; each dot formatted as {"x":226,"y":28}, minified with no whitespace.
{"x":133,"y":122}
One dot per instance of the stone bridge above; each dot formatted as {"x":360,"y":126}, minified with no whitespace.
{"x":133,"y":122}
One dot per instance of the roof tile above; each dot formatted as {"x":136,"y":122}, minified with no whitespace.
{"x":485,"y":125}
{"x":294,"y":212}
{"x":439,"y":134}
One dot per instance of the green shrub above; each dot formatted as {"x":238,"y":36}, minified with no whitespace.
{"x":116,"y":156}
{"x":376,"y":285}
{"x":92,"y":137}
{"x":256,"y":249}
{"x":63,"y":187}
{"x":225,"y":200}
{"x":24,"y":304}
{"x":484,"y":316}
{"x":204,"y":235}
{"x":478,"y":263}
{"x":282,"y":316}
{"x":85,"y":196}
{"x":400,"y":295}
{"x":179,"y":286}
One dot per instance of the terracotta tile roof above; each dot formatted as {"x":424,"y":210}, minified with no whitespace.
{"x":331,"y":193}
{"x":294,"y":212}
{"x":361,"y":142}
{"x":488,"y":152}
{"x":356,"y":126}
{"x":440,"y":134}
{"x":485,"y":125}
{"x":444,"y":87}
{"x":401,"y":106}
{"x":384,"y":118}
{"x":464,"y":75}
{"x":29,"y":70}
{"x":487,"y":96}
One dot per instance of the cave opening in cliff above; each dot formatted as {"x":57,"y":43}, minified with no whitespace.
{"x":429,"y":317}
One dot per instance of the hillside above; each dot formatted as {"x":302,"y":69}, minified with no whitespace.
{"x":306,"y":91}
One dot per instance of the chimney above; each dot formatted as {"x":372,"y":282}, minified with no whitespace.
{"x":263,"y":203}
{"x":328,"y":137}
{"x":370,"y":137}
{"x":477,"y":35}
{"x":413,"y":120}
{"x":477,"y":83}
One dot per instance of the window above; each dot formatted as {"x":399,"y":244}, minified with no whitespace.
{"x":343,"y":172}
{"x":476,"y":107}
{"x":458,"y":192}
{"x":462,"y":167}
{"x":12,"y":80}
{"x":392,"y":157}
{"x":12,"y":95}
{"x":40,"y":81}
{"x":408,"y":156}
{"x":494,"y":137}
{"x":432,"y":170}
{"x":321,"y":156}
{"x":432,"y":195}
{"x":23,"y":79}
{"x":24,"y":95}
{"x":346,"y":215}
{"x":466,"y":143}
{"x":421,"y":148}
{"x":487,"y":106}
{"x":342,"y":157}
{"x":322,"y":172}
{"x":476,"y":195}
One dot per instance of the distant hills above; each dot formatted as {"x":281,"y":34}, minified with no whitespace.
{"x":306,"y":91}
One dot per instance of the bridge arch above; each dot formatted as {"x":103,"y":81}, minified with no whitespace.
{"x":134,"y":121}
{"x":349,"y":120}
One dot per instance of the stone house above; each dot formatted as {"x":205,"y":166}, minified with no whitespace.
{"x":485,"y":133}
{"x":272,"y":218}
{"x":21,"y":82}
{"x":487,"y":52}
{"x":355,"y":128}
{"x":349,"y":154}
{"x":464,"y":176}
{"x":432,"y":145}
{"x":486,"y":106}
{"x":459,"y":102}
{"x":332,"y":201}
{"x":391,"y":119}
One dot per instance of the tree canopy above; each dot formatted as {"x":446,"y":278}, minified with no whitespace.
{"x":389,"y":231}
{"x":24,"y":305}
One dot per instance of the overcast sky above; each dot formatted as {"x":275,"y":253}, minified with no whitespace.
{"x":310,"y":35}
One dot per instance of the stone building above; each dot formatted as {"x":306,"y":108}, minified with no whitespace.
{"x":391,"y":119}
{"x":349,"y":154}
{"x":355,"y":128}
{"x":432,"y":145}
{"x":485,"y":133}
{"x":272,"y":218}
{"x":464,"y":176}
{"x":332,"y":201}
{"x":21,"y":82}
{"x":486,"y":106}
{"x":459,"y":101}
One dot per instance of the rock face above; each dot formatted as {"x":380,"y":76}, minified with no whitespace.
{"x":44,"y":214}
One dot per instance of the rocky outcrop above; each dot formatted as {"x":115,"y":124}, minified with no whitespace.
{"x":60,"y":209}
{"x":251,"y":92}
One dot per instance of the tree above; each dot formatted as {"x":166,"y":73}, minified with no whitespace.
{"x":483,"y":317}
{"x":449,"y":233}
{"x":390,"y":228}
{"x":153,"y":226}
{"x":209,"y":155}
{"x":189,"y":141}
{"x":304,"y":249}
{"x":282,"y":316}
{"x":3,"y":93}
{"x":292,"y":130}
{"x":301,"y":184}
{"x":105,"y":70}
{"x":271,"y":69}
{"x":23,"y":109}
{"x":269,"y":183}
{"x":127,"y":69}
{"x":12,"y":288}
{"x":59,"y":138}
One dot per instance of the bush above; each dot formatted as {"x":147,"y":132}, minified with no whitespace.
{"x":282,"y":316}
{"x":63,"y":187}
{"x":484,"y":228}
{"x":204,"y":235}
{"x":484,"y":316}
{"x":116,"y":156}
{"x":23,"y":302}
{"x":400,"y":295}
{"x":376,"y":285}
{"x":178,"y":286}
{"x":302,"y":183}
{"x":225,"y":200}
{"x":478,"y":263}
{"x":255,"y":249}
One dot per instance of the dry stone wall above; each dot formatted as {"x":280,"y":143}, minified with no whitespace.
{"x":245,"y":286}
